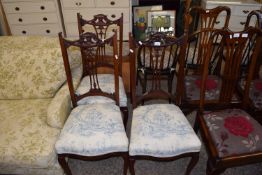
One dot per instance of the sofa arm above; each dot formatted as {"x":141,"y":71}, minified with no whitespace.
{"x":60,"y":106}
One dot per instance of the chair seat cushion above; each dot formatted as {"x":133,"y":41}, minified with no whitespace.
{"x":107,"y":84}
{"x":93,"y":130}
{"x":255,"y":92}
{"x":161,"y":130}
{"x":26,"y":141}
{"x":193,"y":83}
{"x":234,"y":132}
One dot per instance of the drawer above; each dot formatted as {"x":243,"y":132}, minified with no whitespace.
{"x":112,"y":3}
{"x":71,"y":17}
{"x":237,"y":23}
{"x":27,"y":7}
{"x":242,"y":10}
{"x":32,"y":18}
{"x":71,"y":4}
{"x":72,"y":30}
{"x":41,"y":29}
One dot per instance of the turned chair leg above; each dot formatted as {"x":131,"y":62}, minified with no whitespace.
{"x":64,"y":164}
{"x":192,"y":163}
{"x":126,"y":162}
{"x":132,"y":166}
{"x":125,"y":113}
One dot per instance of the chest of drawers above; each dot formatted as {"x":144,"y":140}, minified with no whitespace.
{"x":239,"y":11}
{"x":89,"y":8}
{"x":33,"y":17}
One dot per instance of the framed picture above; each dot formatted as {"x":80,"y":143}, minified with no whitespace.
{"x":140,"y":19}
{"x":161,"y":21}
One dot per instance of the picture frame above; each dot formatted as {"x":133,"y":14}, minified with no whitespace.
{"x":161,"y":21}
{"x":139,"y":20}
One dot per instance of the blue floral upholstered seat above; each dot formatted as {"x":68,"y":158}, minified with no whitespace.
{"x":161,"y":130}
{"x":92,"y":130}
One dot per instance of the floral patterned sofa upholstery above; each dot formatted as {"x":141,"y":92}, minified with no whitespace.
{"x":34,"y":103}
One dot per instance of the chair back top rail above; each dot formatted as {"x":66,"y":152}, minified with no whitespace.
{"x":101,"y":25}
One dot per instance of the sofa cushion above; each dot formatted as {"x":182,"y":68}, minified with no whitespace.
{"x":31,"y":67}
{"x":60,"y":106}
{"x":25,"y":138}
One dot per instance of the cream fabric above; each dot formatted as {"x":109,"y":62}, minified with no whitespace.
{"x":31,"y":67}
{"x":92,"y":130}
{"x":161,"y":130}
{"x":106,"y":82}
{"x":26,"y":141}
{"x":60,"y":105}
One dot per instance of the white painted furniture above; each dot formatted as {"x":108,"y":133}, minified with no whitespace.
{"x":33,"y":17}
{"x":89,"y":8}
{"x":239,"y":11}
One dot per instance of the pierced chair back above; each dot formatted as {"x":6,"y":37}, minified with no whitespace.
{"x":197,"y":48}
{"x":197,"y":41}
{"x":210,"y":18}
{"x":104,"y":28}
{"x":231,"y":54}
{"x":164,"y":56}
{"x":92,"y":59}
{"x":254,"y":18}
{"x":151,"y":54}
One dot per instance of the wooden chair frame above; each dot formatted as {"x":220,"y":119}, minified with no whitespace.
{"x":215,"y":164}
{"x":90,"y":64}
{"x":197,"y":43}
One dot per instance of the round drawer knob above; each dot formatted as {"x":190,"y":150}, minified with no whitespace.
{"x":242,"y":23}
{"x":23,"y":32}
{"x":78,"y":3}
{"x":113,"y":16}
{"x":47,"y":31}
{"x":112,"y":3}
{"x":17,"y":8}
{"x":42,"y":7}
{"x":245,"y":11}
{"x":44,"y":18}
{"x":20,"y":20}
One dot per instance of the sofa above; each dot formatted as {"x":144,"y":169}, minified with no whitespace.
{"x":34,"y":103}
